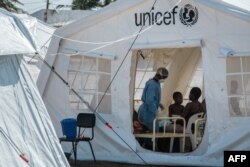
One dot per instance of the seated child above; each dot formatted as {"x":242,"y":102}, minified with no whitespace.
{"x":176,"y":108}
{"x":190,"y":109}
{"x":194,"y":106}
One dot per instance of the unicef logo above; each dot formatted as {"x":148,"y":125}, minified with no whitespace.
{"x":189,"y":15}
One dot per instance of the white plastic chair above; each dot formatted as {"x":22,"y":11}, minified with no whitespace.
{"x":199,"y":130}
{"x":193,"y":122}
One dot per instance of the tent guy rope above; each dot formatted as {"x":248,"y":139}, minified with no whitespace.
{"x":14,"y":146}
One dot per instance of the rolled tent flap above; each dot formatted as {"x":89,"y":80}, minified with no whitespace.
{"x":230,"y":52}
{"x":170,"y":44}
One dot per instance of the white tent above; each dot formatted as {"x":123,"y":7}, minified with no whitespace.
{"x":42,"y":34}
{"x":193,"y":39}
{"x":27,"y":136}
{"x":61,"y":17}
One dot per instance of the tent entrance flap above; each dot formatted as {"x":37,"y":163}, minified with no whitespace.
{"x":185,"y":71}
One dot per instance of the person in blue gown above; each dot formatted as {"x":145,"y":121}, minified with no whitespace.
{"x":151,"y":98}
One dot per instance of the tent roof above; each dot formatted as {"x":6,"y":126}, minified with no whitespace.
{"x":98,"y":16}
{"x":39,"y":30}
{"x":15,"y":37}
{"x":42,"y":34}
{"x":61,"y":17}
{"x":233,"y":7}
{"x":236,"y":8}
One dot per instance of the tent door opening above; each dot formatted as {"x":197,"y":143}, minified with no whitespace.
{"x":185,"y":72}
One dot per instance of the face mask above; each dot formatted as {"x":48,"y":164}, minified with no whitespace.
{"x":161,"y":80}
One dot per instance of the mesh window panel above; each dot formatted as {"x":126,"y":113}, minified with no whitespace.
{"x":238,"y":85}
{"x":234,"y":85}
{"x":90,"y":99}
{"x":233,"y":65}
{"x":246,"y":64}
{"x":89,"y":77}
{"x":105,"y":65}
{"x":236,"y":105}
{"x":89,"y":64}
{"x":71,"y":78}
{"x":246,"y":78}
{"x":75,"y":62}
{"x":104,"y":81}
{"x":77,"y":104}
{"x":248,"y":105}
{"x":89,"y":81}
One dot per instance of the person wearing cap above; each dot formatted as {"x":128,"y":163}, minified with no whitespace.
{"x":151,"y":98}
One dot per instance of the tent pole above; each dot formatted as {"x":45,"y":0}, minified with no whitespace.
{"x":46,"y":12}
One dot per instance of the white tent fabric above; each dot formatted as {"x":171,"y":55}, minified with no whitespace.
{"x":40,"y":31}
{"x":110,"y":32}
{"x":42,"y":34}
{"x":25,"y":123}
{"x":17,"y":36}
{"x":62,"y":17}
{"x":240,"y":9}
{"x":27,"y":136}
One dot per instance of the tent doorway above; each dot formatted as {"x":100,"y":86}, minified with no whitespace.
{"x":185,"y":71}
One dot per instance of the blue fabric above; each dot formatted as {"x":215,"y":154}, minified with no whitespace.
{"x":151,"y":99}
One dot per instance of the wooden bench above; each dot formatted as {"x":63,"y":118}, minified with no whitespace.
{"x":165,"y":134}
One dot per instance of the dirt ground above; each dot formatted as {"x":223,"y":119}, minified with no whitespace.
{"x":105,"y":164}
